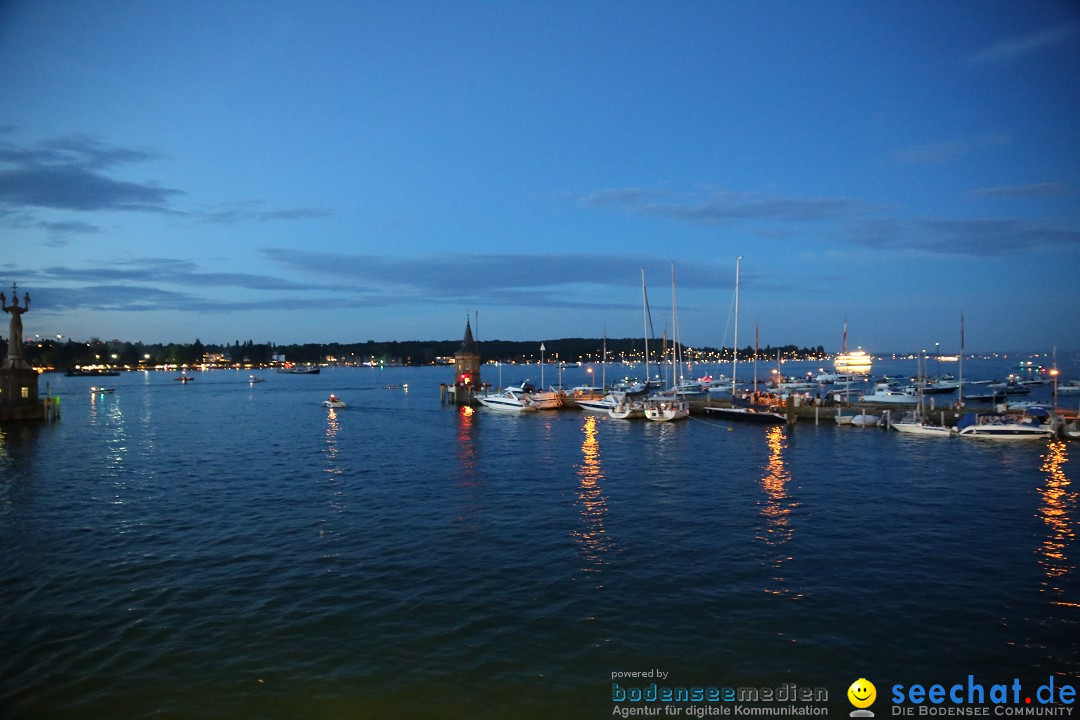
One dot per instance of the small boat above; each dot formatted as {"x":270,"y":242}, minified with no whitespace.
{"x":760,"y":414}
{"x":865,"y":420}
{"x":1072,"y":387}
{"x":627,"y":408}
{"x":859,"y":419}
{"x":185,"y":379}
{"x":602,"y":405}
{"x":509,"y":400}
{"x":95,"y":390}
{"x":885,"y":393}
{"x":1071,"y":429}
{"x":1034,"y":424}
{"x":252,"y":379}
{"x":662,"y":409}
{"x":916,"y":424}
{"x":300,"y":370}
{"x":333,"y":402}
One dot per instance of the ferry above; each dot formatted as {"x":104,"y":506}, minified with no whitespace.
{"x":857,"y":362}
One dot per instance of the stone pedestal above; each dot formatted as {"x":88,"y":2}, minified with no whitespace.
{"x":19,"y":394}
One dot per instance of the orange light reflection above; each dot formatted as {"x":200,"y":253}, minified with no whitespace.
{"x":777,"y":508}
{"x":1056,"y":511}
{"x":592,"y":505}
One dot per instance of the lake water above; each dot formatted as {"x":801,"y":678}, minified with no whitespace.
{"x":223,"y":550}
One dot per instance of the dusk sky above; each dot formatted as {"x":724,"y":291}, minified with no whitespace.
{"x":345,"y":171}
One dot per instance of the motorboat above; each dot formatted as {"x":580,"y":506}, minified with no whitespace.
{"x":915,"y":424}
{"x":742,"y":411}
{"x":940,"y":386}
{"x":1072,"y":387}
{"x":511,"y":399}
{"x":333,"y":402}
{"x":95,"y":390}
{"x":91,"y":372}
{"x":601,"y":405}
{"x":185,"y":379}
{"x":539,"y":399}
{"x":1034,"y":424}
{"x":252,"y":379}
{"x":887,"y":394}
{"x":300,"y":370}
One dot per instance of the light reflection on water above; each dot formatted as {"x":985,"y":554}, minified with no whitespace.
{"x":592,"y":505}
{"x":776,"y":509}
{"x":1057,"y":512}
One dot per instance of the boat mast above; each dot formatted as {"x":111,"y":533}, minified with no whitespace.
{"x":960,"y":386}
{"x":676,"y":367}
{"x":735,"y":342}
{"x":645,"y":316}
{"x":603,"y":364}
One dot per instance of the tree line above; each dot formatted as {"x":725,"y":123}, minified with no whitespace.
{"x":62,"y":355}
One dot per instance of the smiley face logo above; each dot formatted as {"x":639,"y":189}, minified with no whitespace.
{"x":862,"y":693}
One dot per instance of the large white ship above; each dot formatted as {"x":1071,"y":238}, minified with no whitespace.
{"x":856,"y":362}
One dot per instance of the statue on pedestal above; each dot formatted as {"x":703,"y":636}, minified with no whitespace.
{"x":14,"y":356}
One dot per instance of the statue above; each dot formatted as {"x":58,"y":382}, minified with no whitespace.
{"x":14,"y":355}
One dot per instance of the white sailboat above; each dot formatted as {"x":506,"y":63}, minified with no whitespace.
{"x":630,"y":407}
{"x":915,"y":422}
{"x":740,"y":410}
{"x":669,"y":407}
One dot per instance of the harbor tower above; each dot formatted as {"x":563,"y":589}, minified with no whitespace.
{"x":466,"y":368}
{"x":18,"y":380}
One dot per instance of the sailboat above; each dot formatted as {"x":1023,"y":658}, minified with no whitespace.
{"x":915,"y":422}
{"x":627,"y":406}
{"x":742,"y":410}
{"x":669,"y":406}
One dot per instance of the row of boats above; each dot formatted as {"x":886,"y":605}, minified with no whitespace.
{"x":1035,"y":422}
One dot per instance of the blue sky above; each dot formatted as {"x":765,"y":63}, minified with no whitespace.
{"x":345,"y":171}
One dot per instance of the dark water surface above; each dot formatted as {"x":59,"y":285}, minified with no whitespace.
{"x":221,"y":550}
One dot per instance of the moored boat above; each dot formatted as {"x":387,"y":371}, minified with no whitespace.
{"x":1034,"y":424}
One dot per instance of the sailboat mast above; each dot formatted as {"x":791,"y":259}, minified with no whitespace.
{"x":735,"y":342}
{"x":645,"y":316}
{"x":676,"y":368}
{"x":603,"y":364}
{"x":960,"y":388}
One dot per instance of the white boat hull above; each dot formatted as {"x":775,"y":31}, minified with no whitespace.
{"x":667,"y":410}
{"x":917,"y":428}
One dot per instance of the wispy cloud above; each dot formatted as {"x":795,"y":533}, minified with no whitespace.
{"x":464,"y":276}
{"x":721,"y":206}
{"x":1046,"y":189}
{"x":253,"y":212}
{"x":79,"y":173}
{"x":976,"y":238}
{"x":1016,"y":48}
{"x":942,"y":153}
{"x":70,"y":174}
